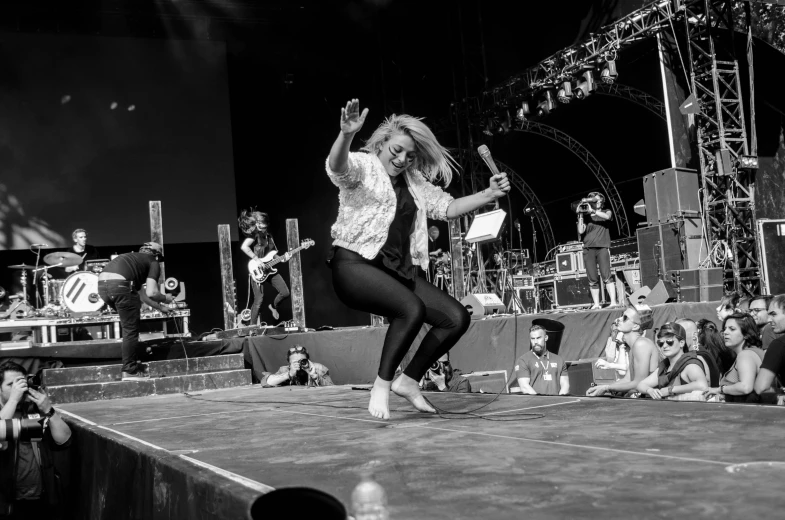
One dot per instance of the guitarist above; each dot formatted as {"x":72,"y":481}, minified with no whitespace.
{"x":254,"y":225}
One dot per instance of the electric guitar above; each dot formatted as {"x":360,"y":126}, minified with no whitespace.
{"x":262,"y":268}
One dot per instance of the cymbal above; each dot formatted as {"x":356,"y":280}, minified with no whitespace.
{"x":21,"y":266}
{"x":64,"y":258}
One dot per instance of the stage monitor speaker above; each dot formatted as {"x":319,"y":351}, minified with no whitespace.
{"x":639,"y":296}
{"x":771,"y":237}
{"x":663,"y":292}
{"x":480,"y":305}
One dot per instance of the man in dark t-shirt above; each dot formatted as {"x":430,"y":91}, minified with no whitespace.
{"x":773,"y":365}
{"x":596,"y":240}
{"x":118,"y":286}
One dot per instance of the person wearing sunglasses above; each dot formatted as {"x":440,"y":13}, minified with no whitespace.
{"x":642,"y":353}
{"x":682,"y":374}
{"x":759,"y":310}
{"x":740,"y":333}
{"x":300,"y":371}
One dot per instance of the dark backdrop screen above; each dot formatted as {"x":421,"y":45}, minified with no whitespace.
{"x":93,"y":128}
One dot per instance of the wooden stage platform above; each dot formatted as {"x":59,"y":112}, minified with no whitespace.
{"x":209,"y":455}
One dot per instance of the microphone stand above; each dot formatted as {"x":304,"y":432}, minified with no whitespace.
{"x":35,"y":278}
{"x":534,"y":260}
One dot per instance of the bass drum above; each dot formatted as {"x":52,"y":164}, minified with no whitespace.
{"x":80,"y":293}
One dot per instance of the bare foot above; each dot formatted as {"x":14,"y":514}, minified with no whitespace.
{"x":408,"y":388}
{"x":274,"y":311}
{"x":380,"y":398}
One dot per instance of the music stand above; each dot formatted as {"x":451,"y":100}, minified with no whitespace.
{"x":486,"y":227}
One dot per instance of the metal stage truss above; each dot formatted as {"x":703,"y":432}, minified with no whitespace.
{"x":580,"y":151}
{"x":639,"y":97}
{"x":727,"y":189}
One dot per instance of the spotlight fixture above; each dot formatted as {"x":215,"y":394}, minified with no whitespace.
{"x":609,"y":73}
{"x":586,"y":86}
{"x":523,"y":111}
{"x":564,"y":95}
{"x":748,"y":162}
{"x":545,"y":106}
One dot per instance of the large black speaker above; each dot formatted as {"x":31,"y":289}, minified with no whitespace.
{"x":671,"y":246}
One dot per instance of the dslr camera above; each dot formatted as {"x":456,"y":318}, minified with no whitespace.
{"x":437,"y":368}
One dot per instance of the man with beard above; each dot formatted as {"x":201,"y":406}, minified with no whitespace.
{"x":643,"y":355}
{"x":541,"y":372}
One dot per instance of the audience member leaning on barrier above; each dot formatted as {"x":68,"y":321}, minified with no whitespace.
{"x":643,"y":355}
{"x":740,"y":334}
{"x":682,"y":374}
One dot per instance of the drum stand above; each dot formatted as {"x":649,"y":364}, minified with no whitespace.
{"x":440,"y":281}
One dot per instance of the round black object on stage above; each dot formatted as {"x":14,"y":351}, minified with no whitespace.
{"x":303,"y":500}
{"x":554,"y":329}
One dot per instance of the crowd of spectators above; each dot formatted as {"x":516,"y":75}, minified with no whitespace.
{"x":741,"y":358}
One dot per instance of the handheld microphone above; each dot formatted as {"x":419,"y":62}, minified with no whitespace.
{"x":486,"y":156}
{"x":39,"y":245}
{"x":517,"y":223}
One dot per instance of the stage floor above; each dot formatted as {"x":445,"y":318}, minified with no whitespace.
{"x":583,"y":458}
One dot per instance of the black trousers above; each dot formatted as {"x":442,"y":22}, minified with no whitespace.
{"x":258,"y":294}
{"x":121,"y":296}
{"x":594,"y":256}
{"x":366,"y":285}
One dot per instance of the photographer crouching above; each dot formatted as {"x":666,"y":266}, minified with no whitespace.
{"x":300,"y":371}
{"x":596,"y":238}
{"x":30,"y":430}
{"x":441,"y":377}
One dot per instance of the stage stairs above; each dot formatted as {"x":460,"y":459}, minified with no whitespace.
{"x":174,"y":376}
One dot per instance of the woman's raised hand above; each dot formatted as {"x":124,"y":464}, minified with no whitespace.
{"x":351,"y":118}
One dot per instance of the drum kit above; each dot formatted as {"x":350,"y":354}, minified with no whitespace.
{"x":76,"y":295}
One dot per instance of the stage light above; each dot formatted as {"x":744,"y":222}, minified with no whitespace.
{"x":586,"y":86}
{"x":609,"y":73}
{"x":748,"y":162}
{"x":506,"y":123}
{"x":545,"y":106}
{"x":523,"y":111}
{"x":488,"y":129}
{"x":564,"y":95}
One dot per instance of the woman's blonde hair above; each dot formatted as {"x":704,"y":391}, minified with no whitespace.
{"x":432,"y":159}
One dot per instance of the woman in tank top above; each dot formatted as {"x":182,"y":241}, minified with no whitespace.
{"x":740,"y":334}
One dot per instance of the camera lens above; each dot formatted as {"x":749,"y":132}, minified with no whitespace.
{"x":303,"y":364}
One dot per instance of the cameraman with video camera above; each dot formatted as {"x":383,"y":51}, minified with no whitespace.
{"x":30,"y":430}
{"x":300,"y":371}
{"x":596,"y":238}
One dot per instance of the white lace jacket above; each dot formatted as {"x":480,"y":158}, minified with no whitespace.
{"x":367,"y":207}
